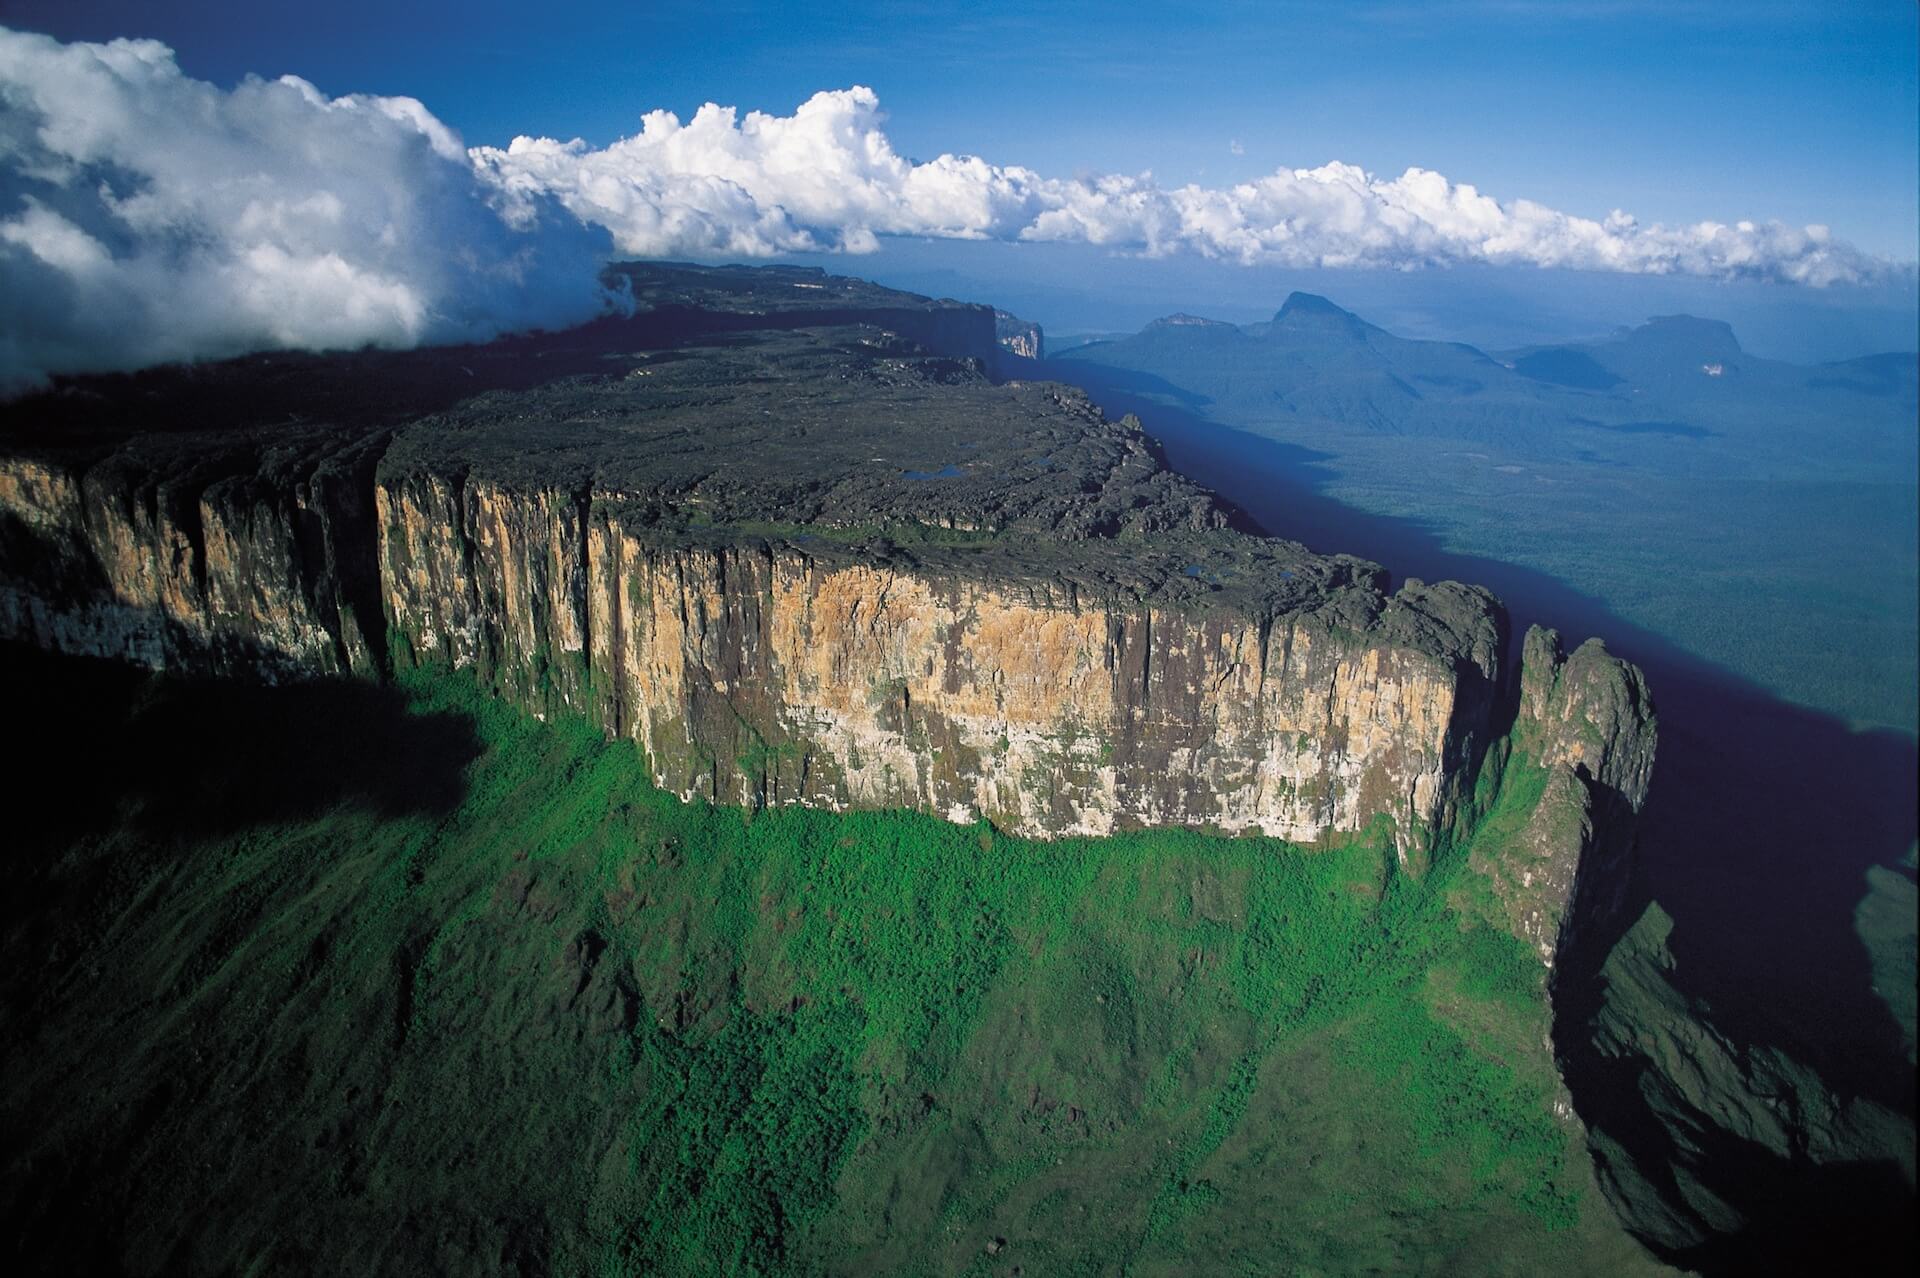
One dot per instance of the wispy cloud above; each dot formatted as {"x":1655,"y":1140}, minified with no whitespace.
{"x":147,"y":216}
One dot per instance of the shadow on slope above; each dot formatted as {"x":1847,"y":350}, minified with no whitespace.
{"x":1762,"y":825}
{"x":123,"y":778}
{"x":197,"y":757}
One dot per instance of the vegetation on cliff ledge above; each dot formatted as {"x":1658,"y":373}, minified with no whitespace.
{"x":351,"y":979}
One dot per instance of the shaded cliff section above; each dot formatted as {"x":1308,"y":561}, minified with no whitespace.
{"x":244,"y":556}
{"x":1584,"y":731}
{"x":797,"y":546}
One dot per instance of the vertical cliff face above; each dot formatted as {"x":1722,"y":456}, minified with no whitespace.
{"x":763,"y":673}
{"x":768,"y":672}
{"x":230,"y":562}
{"x":1019,"y":337}
{"x":1587,"y":722}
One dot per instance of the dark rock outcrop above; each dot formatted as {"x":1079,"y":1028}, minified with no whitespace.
{"x":1588,"y":723}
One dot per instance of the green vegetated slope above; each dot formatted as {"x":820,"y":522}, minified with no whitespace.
{"x":346,"y":979}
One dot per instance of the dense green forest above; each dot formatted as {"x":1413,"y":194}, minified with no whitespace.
{"x":349,"y":978}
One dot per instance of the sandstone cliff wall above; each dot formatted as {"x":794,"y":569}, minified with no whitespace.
{"x":762,"y":672}
{"x":759,"y":673}
{"x":252,"y":573}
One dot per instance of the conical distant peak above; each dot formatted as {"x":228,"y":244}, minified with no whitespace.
{"x":1304,"y":305}
{"x":1306,"y":314}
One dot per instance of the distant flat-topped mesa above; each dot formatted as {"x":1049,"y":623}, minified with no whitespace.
{"x":799,"y":558}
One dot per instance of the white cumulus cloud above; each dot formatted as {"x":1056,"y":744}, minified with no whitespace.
{"x":147,"y":216}
{"x":824,"y":178}
{"x":828,"y":178}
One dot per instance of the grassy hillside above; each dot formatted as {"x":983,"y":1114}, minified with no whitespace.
{"x":346,"y":979}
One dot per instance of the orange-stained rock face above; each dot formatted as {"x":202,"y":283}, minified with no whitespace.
{"x":760,"y":673}
{"x":763,"y":670}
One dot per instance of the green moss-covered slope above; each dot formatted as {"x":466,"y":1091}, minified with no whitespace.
{"x":344,"y":979}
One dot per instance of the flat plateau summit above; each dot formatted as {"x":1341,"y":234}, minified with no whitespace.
{"x":789,"y":534}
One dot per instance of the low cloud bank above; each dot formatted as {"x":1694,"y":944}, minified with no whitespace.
{"x":146,"y":216}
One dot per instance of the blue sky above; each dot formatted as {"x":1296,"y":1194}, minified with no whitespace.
{"x":1675,"y":111}
{"x":1284,"y":141}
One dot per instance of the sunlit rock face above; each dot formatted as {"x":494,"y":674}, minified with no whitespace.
{"x":763,"y":673}
{"x":256,"y":574}
{"x":766,"y":674}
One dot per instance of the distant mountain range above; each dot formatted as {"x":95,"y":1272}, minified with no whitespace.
{"x":1675,"y":378}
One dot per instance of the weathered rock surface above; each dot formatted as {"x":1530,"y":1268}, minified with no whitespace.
{"x":792,"y":554}
{"x":1588,"y":721}
{"x":774,"y":671}
{"x":977,"y":601}
{"x":1019,"y":337}
{"x":245,"y":558}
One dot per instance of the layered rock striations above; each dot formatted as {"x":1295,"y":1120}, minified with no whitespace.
{"x":244,"y":559}
{"x":827,"y":563}
{"x":771,"y":672}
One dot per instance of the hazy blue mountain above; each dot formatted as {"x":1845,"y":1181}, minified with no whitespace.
{"x":1749,"y":510}
{"x":1677,"y":394}
{"x":1893,"y":375}
{"x":1316,"y":360}
{"x":1682,"y":360}
{"x":1564,"y":366}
